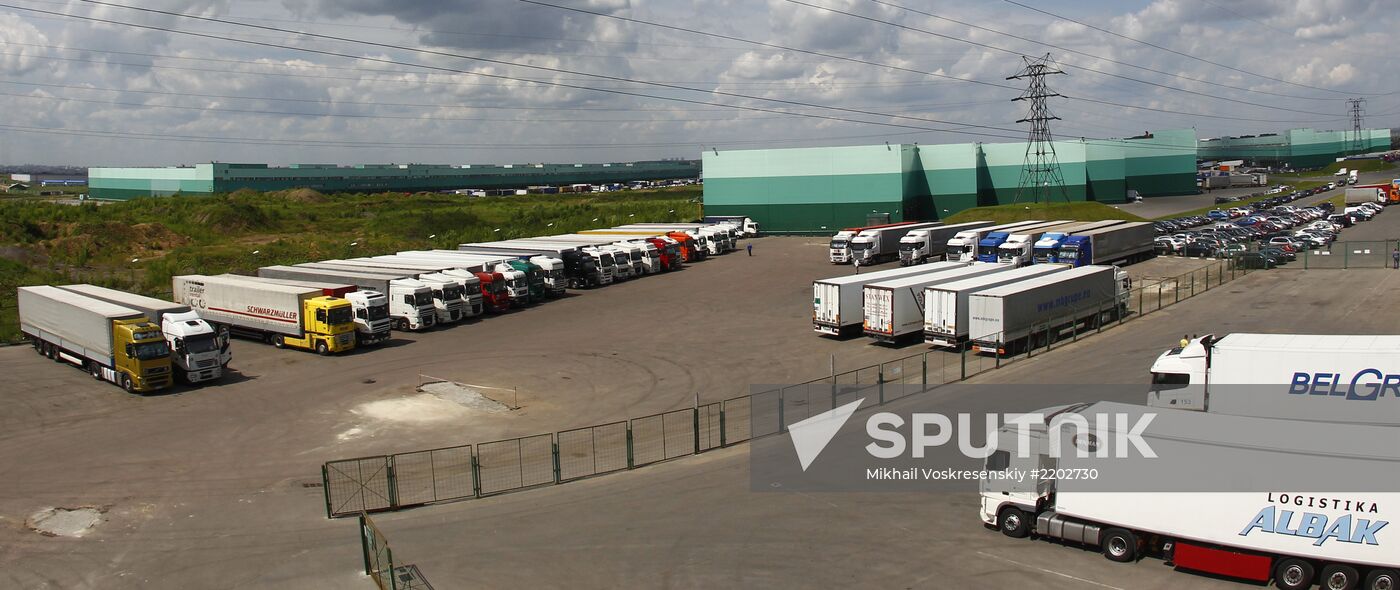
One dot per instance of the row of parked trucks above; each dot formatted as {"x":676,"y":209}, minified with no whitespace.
{"x":332,"y":306}
{"x":1019,"y":243}
{"x":997,"y":308}
{"x":1324,"y":405}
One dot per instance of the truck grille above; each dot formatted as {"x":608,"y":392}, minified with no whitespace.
{"x":206,"y":363}
{"x":156,"y":370}
{"x":344,"y":339}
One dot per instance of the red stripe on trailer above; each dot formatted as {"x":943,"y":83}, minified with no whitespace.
{"x":1235,"y":564}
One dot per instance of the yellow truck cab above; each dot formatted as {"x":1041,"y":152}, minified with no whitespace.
{"x":111,"y":342}
{"x":329,"y":326}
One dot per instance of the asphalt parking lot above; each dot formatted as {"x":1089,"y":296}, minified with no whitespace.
{"x":1155,"y":207}
{"x":208,"y":487}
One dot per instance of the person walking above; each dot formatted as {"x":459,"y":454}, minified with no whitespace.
{"x":1395,"y":256}
{"x":750,"y":249}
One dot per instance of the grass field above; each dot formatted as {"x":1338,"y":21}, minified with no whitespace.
{"x":1362,"y":165}
{"x":1077,"y":210}
{"x":138,"y":245}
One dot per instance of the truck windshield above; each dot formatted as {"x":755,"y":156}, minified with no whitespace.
{"x":201,"y":344}
{"x":1068,"y":254}
{"x":956,"y":251}
{"x":424,"y":298}
{"x":340,"y":315}
{"x":147,"y":351}
{"x":838,"y":244}
{"x":636,"y":256}
{"x":911,"y":246}
{"x":987,"y":251}
{"x":607,"y":260}
{"x":1161,"y":381}
{"x":378,"y":312}
{"x":556,"y":273}
{"x":453,"y":293}
{"x":859,"y":246}
{"x":497,"y":287}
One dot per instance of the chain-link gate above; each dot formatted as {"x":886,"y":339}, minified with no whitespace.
{"x":357,"y":485}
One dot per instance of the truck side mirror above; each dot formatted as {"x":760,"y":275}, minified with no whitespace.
{"x":179,"y":343}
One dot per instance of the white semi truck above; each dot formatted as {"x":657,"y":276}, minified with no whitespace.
{"x":449,"y":296}
{"x":1019,"y":247}
{"x":878,"y":244}
{"x":1047,"y":248}
{"x":931,"y":243}
{"x":838,"y":304}
{"x":111,"y":342}
{"x":282,"y":315}
{"x":410,"y":302}
{"x":198,"y":352}
{"x":963,"y":245}
{"x":945,"y":304}
{"x":1314,"y":533}
{"x":894,"y":309}
{"x":1010,"y":318}
{"x":372,"y":321}
{"x":1325,"y":378}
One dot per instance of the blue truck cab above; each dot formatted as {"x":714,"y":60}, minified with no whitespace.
{"x":1047,"y":248}
{"x":987,"y":248}
{"x":1076,"y":251}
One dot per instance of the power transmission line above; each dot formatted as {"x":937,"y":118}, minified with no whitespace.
{"x":1040,"y":172}
{"x":1358,"y":110}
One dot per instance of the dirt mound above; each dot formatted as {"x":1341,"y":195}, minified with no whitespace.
{"x":304,"y":195}
{"x":85,"y":240}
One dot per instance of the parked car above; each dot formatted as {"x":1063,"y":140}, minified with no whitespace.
{"x":1278,"y":253}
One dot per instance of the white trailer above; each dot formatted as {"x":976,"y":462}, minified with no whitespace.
{"x":1323,"y":378}
{"x":372,"y":322}
{"x":838,"y":303}
{"x":945,"y":304}
{"x":931,"y":243}
{"x":1126,"y":243}
{"x":1007,"y":319}
{"x":1222,"y":523}
{"x":283,"y":315}
{"x":1019,"y":247}
{"x":198,"y":351}
{"x":894,"y":309}
{"x":410,"y":302}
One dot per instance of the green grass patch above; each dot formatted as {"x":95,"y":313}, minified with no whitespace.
{"x":1078,"y":211}
{"x":1361,"y":165}
{"x":139,"y":244}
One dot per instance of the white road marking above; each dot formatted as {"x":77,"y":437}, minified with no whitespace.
{"x":1041,"y":569}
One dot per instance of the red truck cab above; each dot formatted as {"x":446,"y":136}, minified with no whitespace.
{"x":670,"y":253}
{"x":689,"y":251}
{"x":494,"y":296}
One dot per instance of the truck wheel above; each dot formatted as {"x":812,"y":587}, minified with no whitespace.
{"x":1120,"y":545}
{"x":1382,"y":580}
{"x":127,"y":384}
{"x":95,"y":370}
{"x":1337,"y":576}
{"x":1293,"y":574}
{"x":278,"y":342}
{"x":1014,"y":522}
{"x":322,"y":349}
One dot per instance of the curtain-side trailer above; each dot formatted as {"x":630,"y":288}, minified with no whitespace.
{"x":1007,"y":319}
{"x":111,"y":342}
{"x":410,"y":302}
{"x":282,"y":315}
{"x":372,"y":322}
{"x":198,"y":352}
{"x":1126,"y":243}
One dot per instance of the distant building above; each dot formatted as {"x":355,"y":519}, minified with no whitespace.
{"x":127,"y":183}
{"x":1295,"y":148}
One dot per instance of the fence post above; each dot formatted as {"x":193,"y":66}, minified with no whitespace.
{"x":476,"y":473}
{"x":393,"y":481}
{"x":782,"y":424}
{"x":631,"y":462}
{"x":364,"y":545}
{"x":880,"y":377}
{"x":962,"y":361}
{"x":1193,"y":284}
{"x":924,"y":383}
{"x":723,"y":430}
{"x":1207,"y":278}
{"x":326,"y":487}
{"x":695,"y":427}
{"x":554,"y":448}
{"x":389,"y":556}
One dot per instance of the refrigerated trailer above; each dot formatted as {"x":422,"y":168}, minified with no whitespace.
{"x":1019,"y":247}
{"x":963,"y":245}
{"x":945,"y":304}
{"x":1007,"y":319}
{"x":838,"y":303}
{"x":372,"y":321}
{"x":989,"y":247}
{"x":894,"y":309}
{"x":557,"y":272}
{"x":1123,"y":243}
{"x":111,"y":342}
{"x":282,"y":315}
{"x":410,"y":302}
{"x":198,"y":352}
{"x":1324,"y":378}
{"x":931,"y":243}
{"x":1296,"y":537}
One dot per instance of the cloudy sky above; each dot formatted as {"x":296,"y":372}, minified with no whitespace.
{"x":499,"y":81}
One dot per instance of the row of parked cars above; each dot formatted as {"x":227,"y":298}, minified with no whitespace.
{"x":1262,"y":235}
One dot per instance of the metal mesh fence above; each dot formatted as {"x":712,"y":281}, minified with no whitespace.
{"x":388,"y":482}
{"x":1344,"y":255}
{"x":379,"y":559}
{"x":516,"y":463}
{"x":592,"y":450}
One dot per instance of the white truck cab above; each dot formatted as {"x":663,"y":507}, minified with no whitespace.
{"x":198,"y":352}
{"x":449,"y":296}
{"x":371,"y":316}
{"x":411,"y":304}
{"x":471,"y":290}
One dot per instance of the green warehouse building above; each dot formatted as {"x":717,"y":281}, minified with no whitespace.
{"x":1295,"y":148}
{"x":816,"y":189}
{"x":127,"y":183}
